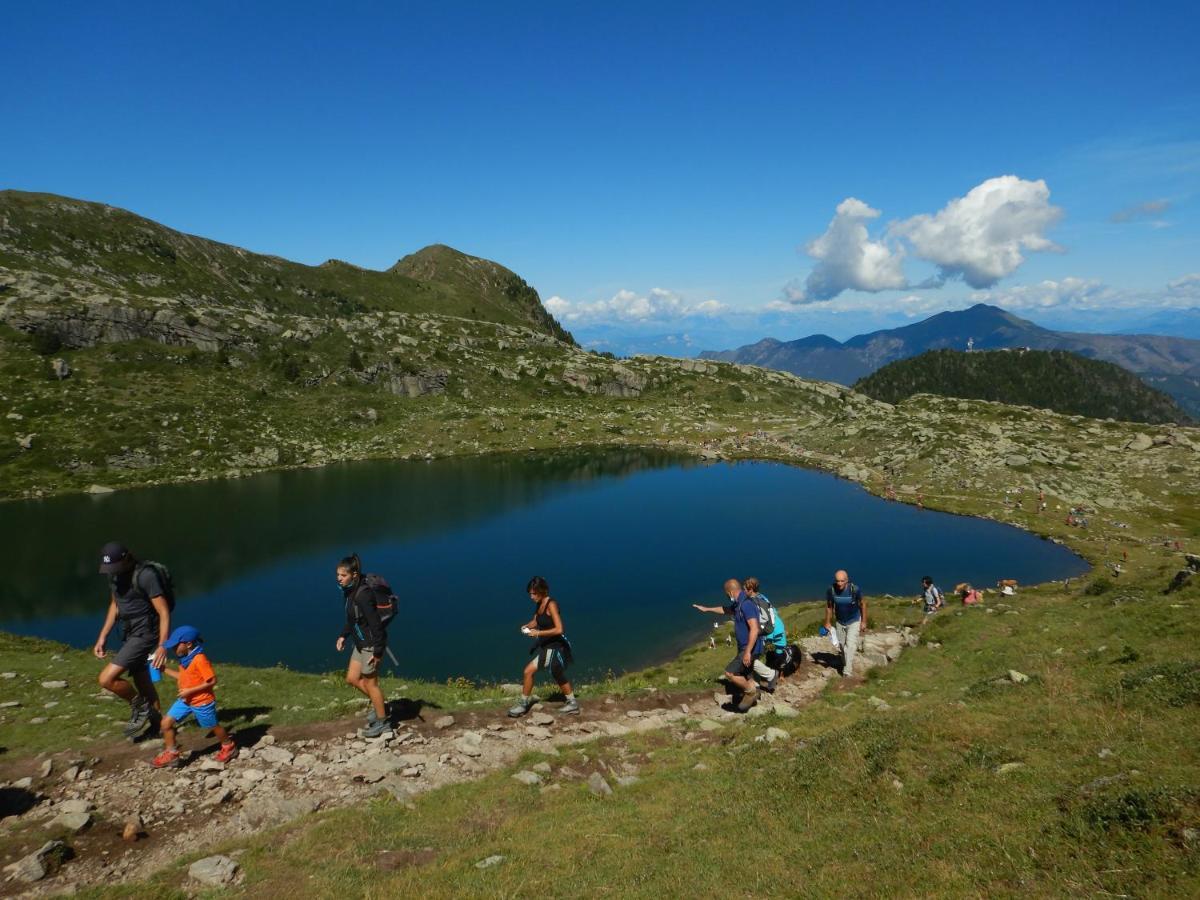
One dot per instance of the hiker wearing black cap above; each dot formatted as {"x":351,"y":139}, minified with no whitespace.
{"x":365,"y":626}
{"x":140,"y":595}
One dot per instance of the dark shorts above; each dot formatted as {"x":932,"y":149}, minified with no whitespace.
{"x":134,"y":653}
{"x":737,"y":667}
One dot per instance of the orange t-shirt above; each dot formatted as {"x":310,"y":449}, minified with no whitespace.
{"x":198,"y":671}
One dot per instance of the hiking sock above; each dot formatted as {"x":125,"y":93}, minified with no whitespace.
{"x":571,"y":697}
{"x":527,"y":700}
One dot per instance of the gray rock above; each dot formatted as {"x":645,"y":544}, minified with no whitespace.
{"x":776,"y":734}
{"x":542,"y":768}
{"x":489,"y":862}
{"x":46,"y":768}
{"x":1017,"y":677}
{"x":54,"y":685}
{"x":627,"y":780}
{"x":443,"y":723}
{"x":598,"y":786}
{"x":1017,"y":460}
{"x":253,"y":776}
{"x":60,"y":368}
{"x":879,"y":703}
{"x":214,"y":871}
{"x":1139,"y":442}
{"x":540,"y":718}
{"x":74,"y":806}
{"x":71,"y":821}
{"x":527,"y":777}
{"x":38,"y":864}
{"x":1009,"y":767}
{"x":10,"y":704}
{"x":538,"y":732}
{"x":274,"y":755}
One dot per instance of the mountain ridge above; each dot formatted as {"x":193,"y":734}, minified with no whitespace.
{"x":49,"y":238}
{"x":1173,"y":362}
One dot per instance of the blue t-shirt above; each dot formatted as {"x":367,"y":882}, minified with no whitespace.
{"x":743,"y":610}
{"x":847,"y":603}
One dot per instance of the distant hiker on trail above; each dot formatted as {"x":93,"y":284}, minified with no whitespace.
{"x":844,"y":601}
{"x":552,"y":649}
{"x":141,"y":596}
{"x":196,"y":682}
{"x":931,"y":596}
{"x":748,"y":634}
{"x":770,"y":624}
{"x":370,"y":605}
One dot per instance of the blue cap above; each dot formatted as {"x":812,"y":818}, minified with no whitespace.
{"x":182,"y":633}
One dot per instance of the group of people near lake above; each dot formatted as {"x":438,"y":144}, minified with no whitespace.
{"x":142,"y":599}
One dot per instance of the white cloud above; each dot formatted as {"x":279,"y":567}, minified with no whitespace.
{"x":847,"y":258}
{"x":1186,"y":287}
{"x":1148,"y":209}
{"x":983,"y":236}
{"x":658,"y":305}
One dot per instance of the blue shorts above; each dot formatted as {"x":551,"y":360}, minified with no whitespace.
{"x":206,"y":716}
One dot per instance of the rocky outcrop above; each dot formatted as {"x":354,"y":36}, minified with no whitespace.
{"x":418,"y":384}
{"x":1185,"y":575}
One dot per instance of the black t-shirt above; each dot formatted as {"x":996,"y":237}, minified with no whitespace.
{"x":137,"y":613}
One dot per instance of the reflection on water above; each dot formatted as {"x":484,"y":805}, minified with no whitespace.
{"x":628,"y":539}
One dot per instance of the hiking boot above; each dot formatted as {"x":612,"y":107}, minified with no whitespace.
{"x":771,"y":684}
{"x":521,"y":707}
{"x":376,"y":728}
{"x":226,"y":753}
{"x":168,"y":759}
{"x":570,"y":708}
{"x":748,"y":700}
{"x":371,"y":717}
{"x":139,"y":715}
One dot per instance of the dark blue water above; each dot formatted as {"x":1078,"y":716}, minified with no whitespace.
{"x":628,"y":540}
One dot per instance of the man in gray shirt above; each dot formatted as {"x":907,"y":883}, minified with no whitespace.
{"x":139,"y":598}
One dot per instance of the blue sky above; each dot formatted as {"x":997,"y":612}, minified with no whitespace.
{"x":669,"y":175}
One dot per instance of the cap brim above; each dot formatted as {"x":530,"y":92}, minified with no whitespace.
{"x":114,"y":567}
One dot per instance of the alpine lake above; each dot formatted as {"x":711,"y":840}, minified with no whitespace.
{"x":627,"y":539}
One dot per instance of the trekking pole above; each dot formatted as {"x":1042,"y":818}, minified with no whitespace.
{"x":392,"y":656}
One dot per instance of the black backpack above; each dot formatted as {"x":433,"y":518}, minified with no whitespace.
{"x":387,"y":604}
{"x":164,"y":577}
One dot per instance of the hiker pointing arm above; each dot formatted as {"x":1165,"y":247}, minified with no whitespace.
{"x":718,"y":610}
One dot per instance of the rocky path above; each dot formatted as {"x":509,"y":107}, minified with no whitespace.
{"x":127,"y":817}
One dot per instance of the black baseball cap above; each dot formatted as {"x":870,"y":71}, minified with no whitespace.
{"x":115,"y":557}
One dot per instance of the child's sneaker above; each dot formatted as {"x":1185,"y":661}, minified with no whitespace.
{"x":226,"y":753}
{"x":168,"y":759}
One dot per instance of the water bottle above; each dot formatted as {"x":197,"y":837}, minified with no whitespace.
{"x":155,"y":671}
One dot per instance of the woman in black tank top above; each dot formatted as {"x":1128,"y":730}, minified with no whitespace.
{"x":551,"y":649}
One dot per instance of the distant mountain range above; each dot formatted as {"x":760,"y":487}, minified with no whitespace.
{"x":1046,"y":379}
{"x":1170,"y":364}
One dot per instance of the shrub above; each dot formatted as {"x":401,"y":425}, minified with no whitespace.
{"x":1101,"y":584}
{"x":46,"y":343}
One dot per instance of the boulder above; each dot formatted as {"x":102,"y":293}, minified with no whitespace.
{"x":274,"y":755}
{"x":1017,"y":677}
{"x":527,"y":777}
{"x":598,"y":786}
{"x":1139,"y":442}
{"x":38,"y":864}
{"x":71,"y":821}
{"x":443,"y":723}
{"x":776,"y":734}
{"x":214,"y":871}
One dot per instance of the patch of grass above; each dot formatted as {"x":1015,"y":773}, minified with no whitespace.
{"x":1172,"y":683}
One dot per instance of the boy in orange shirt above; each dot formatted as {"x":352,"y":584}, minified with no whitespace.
{"x":196,"y":682}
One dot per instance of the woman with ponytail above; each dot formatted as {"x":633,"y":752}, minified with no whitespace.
{"x":366,"y":629}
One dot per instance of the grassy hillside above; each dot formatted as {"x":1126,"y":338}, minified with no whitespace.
{"x":66,"y":253}
{"x":1046,"y":379}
